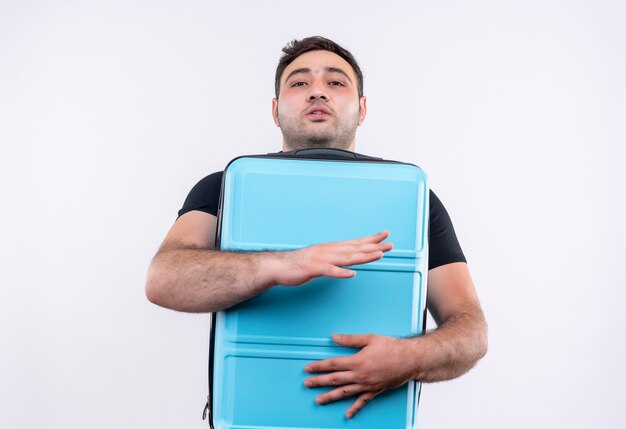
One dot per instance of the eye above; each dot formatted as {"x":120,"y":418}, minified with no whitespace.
{"x":336,"y":83}
{"x":298,"y":83}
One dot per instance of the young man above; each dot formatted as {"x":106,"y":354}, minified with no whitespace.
{"x":320,"y":103}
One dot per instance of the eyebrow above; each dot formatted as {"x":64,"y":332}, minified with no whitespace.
{"x":308,"y":70}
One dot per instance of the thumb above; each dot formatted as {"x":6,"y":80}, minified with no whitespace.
{"x":360,"y":340}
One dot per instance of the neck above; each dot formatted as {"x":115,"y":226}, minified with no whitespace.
{"x":287,"y":147}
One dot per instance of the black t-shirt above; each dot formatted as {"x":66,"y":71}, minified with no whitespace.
{"x":443,"y":246}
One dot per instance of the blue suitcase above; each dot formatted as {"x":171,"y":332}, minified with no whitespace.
{"x":289,"y":200}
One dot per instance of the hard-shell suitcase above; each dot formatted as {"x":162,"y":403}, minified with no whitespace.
{"x":259,"y":348}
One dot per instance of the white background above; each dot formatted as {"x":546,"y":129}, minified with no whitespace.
{"x":111,"y":111}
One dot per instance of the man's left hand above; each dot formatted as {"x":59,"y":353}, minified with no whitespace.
{"x":382,"y":363}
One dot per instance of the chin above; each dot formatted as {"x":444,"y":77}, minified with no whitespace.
{"x":317,"y":140}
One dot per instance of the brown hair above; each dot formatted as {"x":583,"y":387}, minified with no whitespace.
{"x":295,"y":48}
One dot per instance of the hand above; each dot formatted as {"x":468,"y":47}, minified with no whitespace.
{"x":327,"y":259}
{"x":383,"y":363}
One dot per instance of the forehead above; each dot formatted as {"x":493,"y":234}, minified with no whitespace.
{"x":318,"y":61}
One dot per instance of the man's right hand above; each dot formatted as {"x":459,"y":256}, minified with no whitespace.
{"x":328,"y":259}
{"x":187,"y":274}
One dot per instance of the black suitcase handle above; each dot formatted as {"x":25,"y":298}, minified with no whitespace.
{"x":324,"y":153}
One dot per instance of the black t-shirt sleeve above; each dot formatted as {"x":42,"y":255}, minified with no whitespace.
{"x":443,"y":247}
{"x":204,"y":196}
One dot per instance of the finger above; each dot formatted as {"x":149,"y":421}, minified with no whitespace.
{"x":370,"y":247}
{"x":360,"y":402}
{"x":339,"y":393}
{"x":352,"y":254}
{"x":348,"y":248}
{"x":358,"y":340}
{"x":339,"y":253}
{"x":375,"y":238}
{"x":347,"y":259}
{"x":340,"y":363}
{"x":335,"y":268}
{"x":337,"y":272}
{"x":333,"y":379}
{"x":364,"y":258}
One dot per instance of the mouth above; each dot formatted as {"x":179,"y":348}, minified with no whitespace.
{"x":318,"y":112}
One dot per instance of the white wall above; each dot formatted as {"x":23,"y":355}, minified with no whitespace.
{"x":111,"y":111}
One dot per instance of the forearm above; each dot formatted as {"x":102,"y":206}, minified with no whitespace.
{"x":450,"y":350}
{"x":200,"y":280}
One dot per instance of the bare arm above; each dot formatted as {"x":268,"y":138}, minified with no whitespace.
{"x":461,"y":337}
{"x":188,"y":274}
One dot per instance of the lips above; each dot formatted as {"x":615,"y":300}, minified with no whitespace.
{"x":318,"y":112}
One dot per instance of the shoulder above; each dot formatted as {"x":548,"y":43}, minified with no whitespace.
{"x":444,"y":245}
{"x":205,"y":194}
{"x":208,"y":183}
{"x":212,"y":180}
{"x":436,"y":206}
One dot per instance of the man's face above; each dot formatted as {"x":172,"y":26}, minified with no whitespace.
{"x":318,"y":104}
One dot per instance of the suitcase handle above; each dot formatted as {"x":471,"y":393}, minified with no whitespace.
{"x":325,"y":153}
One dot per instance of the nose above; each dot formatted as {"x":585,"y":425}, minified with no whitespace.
{"x":315,"y":96}
{"x":318,"y":92}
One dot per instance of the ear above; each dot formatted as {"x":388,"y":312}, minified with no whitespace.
{"x":362,"y":109}
{"x":275,"y":111}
